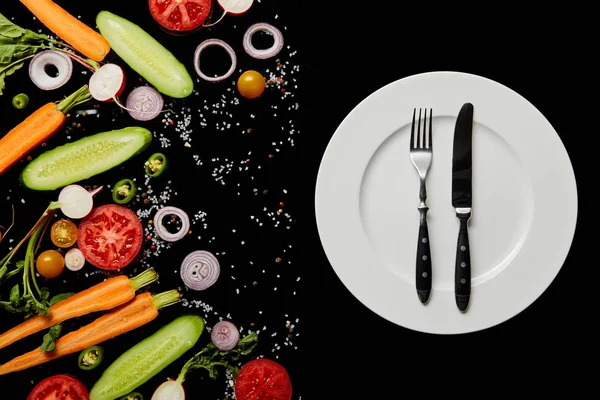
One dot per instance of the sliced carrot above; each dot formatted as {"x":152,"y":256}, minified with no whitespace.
{"x":83,"y":38}
{"x":103,"y":296}
{"x":139,"y":311}
{"x":37,"y":128}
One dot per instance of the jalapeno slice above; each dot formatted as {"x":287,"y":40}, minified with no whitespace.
{"x":124,"y":191}
{"x":155,"y":165}
{"x":133,"y":396}
{"x":20,"y":101}
{"x":90,"y":358}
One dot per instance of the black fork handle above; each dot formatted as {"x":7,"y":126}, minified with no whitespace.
{"x":423,"y":262}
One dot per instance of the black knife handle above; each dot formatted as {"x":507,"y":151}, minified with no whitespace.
{"x":423,"y":270}
{"x":462,"y":271}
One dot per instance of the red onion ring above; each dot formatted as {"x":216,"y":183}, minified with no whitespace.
{"x":163,"y":232}
{"x":200,"y":270}
{"x":214,"y":42}
{"x":38,"y":74}
{"x":224,"y":335}
{"x":263,"y":53}
{"x":144,"y":103}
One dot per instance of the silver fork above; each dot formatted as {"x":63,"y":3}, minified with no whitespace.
{"x":421,"y":154}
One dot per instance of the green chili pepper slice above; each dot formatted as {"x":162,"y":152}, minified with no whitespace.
{"x":155,"y":165}
{"x":124,"y":191}
{"x":133,"y":396}
{"x":90,"y":358}
{"x":20,"y":101}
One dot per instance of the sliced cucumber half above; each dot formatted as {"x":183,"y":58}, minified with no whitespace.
{"x":84,"y":158}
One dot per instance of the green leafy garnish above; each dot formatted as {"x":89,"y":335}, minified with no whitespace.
{"x":59,"y":297}
{"x":211,"y":357}
{"x":50,"y":337}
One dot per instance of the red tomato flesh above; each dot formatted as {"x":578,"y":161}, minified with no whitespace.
{"x":59,"y":387}
{"x":263,"y":379}
{"x":110,"y":237}
{"x":180,"y":15}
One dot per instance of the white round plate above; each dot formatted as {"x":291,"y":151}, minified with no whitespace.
{"x":524,"y":203}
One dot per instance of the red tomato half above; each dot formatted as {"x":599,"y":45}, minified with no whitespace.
{"x":63,"y":387}
{"x":263,"y":379}
{"x":180,"y":15}
{"x":110,"y":237}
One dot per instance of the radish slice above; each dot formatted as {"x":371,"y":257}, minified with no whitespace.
{"x":263,"y":53}
{"x":163,"y":232}
{"x":74,"y":259}
{"x":38,"y":69}
{"x":107,"y":82}
{"x":224,"y":335}
{"x":144,"y":103}
{"x":169,"y":390}
{"x":233,"y":7}
{"x":214,"y":42}
{"x":200,"y":270}
{"x":75,"y":201}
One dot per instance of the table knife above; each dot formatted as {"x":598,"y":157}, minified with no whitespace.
{"x":461,"y":201}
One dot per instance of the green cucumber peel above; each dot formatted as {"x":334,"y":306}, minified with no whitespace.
{"x":147,"y":358}
{"x":145,"y":55}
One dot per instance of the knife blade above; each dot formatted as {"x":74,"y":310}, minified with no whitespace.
{"x":462,"y":202}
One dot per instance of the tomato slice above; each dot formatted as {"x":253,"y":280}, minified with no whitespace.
{"x":180,"y":15}
{"x":110,"y":237}
{"x":63,"y":387}
{"x":263,"y":379}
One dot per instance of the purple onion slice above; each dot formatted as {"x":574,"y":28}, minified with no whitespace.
{"x":44,"y":59}
{"x":200,"y":270}
{"x":162,"y":231}
{"x":263,"y":53}
{"x":214,"y":42}
{"x":144,"y":103}
{"x":224,"y":335}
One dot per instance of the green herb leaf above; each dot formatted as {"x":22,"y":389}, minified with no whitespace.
{"x":59,"y":297}
{"x":4,"y":72}
{"x":9,"y":29}
{"x":15,"y":295}
{"x":50,"y":337}
{"x":210,"y":357}
{"x":20,"y":264}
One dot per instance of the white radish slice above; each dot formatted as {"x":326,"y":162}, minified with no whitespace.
{"x":169,"y":390}
{"x":233,"y":7}
{"x":107,"y":82}
{"x":74,"y":259}
{"x":75,"y":201}
{"x":39,"y":76}
{"x":263,"y":53}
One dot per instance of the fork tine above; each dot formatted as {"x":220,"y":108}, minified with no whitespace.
{"x":419,"y":140}
{"x":430,"y":140}
{"x":412,"y":130}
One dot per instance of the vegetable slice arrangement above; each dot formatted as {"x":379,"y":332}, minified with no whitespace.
{"x":134,"y":314}
{"x":107,"y":237}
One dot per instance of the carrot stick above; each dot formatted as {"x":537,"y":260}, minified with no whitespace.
{"x":83,"y":38}
{"x":37,"y":128}
{"x":103,"y":296}
{"x":139,"y":311}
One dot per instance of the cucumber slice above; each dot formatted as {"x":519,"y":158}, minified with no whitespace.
{"x":145,"y":55}
{"x":147,"y":358}
{"x":84,"y":158}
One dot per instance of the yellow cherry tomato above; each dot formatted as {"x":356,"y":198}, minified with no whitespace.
{"x":63,"y":233}
{"x":50,"y":263}
{"x":251,"y":84}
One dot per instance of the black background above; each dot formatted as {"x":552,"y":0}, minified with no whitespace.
{"x":346,"y":51}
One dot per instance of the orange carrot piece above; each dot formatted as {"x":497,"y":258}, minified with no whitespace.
{"x":139,"y":311}
{"x":101,"y":297}
{"x":37,"y":128}
{"x":83,"y":38}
